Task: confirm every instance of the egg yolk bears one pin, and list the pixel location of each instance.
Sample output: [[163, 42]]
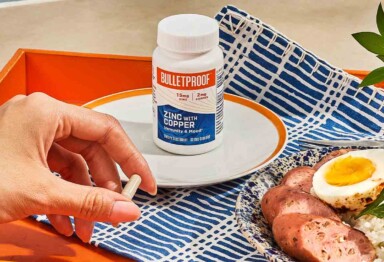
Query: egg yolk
[[349, 170]]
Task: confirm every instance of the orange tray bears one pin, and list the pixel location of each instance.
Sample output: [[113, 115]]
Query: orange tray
[[74, 78]]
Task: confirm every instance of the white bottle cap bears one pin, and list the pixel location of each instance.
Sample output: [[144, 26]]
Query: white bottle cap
[[188, 33]]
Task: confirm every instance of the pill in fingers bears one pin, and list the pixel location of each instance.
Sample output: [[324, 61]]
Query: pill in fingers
[[130, 189]]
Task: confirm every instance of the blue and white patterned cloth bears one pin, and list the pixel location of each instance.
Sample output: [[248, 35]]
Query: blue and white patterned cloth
[[314, 99]]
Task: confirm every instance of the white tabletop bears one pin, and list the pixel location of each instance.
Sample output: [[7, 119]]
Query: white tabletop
[[129, 27]]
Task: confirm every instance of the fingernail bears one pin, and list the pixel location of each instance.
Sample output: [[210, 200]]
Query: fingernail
[[68, 234], [85, 240], [66, 231], [123, 211], [154, 192]]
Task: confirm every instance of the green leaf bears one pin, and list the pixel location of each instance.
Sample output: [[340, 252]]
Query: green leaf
[[381, 57], [380, 19], [375, 208], [371, 41], [374, 77]]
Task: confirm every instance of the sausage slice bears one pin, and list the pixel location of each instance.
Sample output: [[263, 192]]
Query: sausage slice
[[313, 238], [299, 178], [284, 199]]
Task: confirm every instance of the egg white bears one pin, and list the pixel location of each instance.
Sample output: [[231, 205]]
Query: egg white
[[355, 196]]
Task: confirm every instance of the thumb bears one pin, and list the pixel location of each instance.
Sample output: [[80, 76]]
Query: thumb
[[92, 203]]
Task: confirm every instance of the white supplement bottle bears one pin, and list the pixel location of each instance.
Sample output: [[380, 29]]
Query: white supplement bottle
[[187, 75]]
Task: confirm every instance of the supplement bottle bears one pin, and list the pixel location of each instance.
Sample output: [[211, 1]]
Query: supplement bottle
[[187, 75]]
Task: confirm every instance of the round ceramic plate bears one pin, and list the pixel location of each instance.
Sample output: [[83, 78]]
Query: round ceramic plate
[[253, 137], [248, 210]]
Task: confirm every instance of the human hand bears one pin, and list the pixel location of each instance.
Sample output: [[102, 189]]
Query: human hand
[[39, 134]]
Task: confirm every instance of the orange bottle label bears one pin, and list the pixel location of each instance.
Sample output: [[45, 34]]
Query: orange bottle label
[[185, 81]]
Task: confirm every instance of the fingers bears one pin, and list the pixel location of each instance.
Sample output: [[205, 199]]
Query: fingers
[[102, 171], [84, 202], [72, 168], [91, 203], [102, 167], [89, 125], [84, 124], [84, 229], [62, 224]]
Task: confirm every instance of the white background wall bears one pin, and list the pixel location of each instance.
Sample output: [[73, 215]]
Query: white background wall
[[129, 26]]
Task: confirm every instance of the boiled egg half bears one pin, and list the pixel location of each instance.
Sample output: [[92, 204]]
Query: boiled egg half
[[351, 181]]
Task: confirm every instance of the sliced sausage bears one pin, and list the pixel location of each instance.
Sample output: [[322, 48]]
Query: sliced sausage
[[284, 199], [331, 156], [314, 238], [299, 178]]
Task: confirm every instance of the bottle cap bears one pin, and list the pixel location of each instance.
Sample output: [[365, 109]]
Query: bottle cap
[[188, 33]]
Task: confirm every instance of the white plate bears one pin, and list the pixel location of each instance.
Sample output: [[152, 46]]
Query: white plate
[[253, 137]]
